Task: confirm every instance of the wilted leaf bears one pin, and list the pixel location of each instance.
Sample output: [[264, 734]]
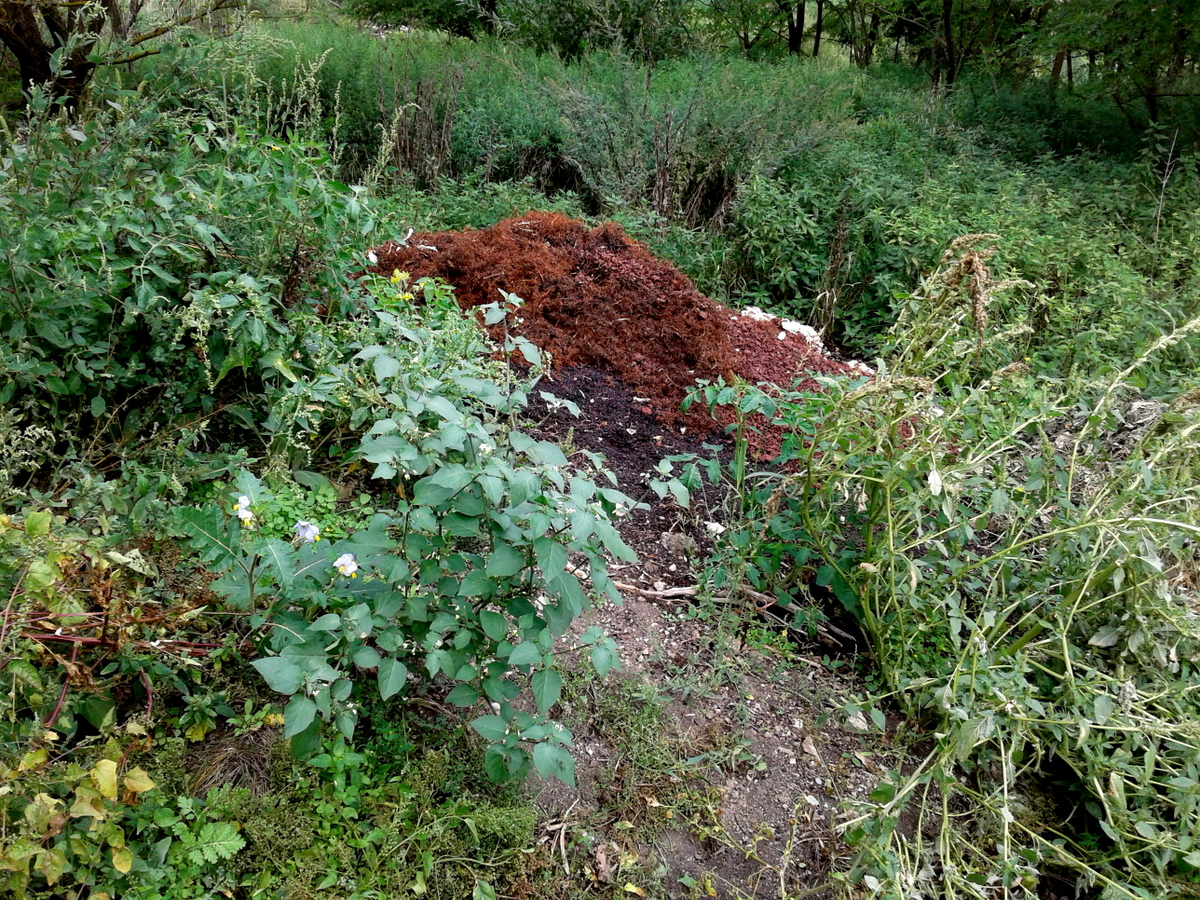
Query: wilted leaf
[[1106, 636], [122, 859], [104, 776]]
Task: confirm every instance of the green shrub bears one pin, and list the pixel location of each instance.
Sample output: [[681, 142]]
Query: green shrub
[[153, 288], [465, 581]]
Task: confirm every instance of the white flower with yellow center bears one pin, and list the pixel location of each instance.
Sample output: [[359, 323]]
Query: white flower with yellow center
[[241, 509], [307, 532]]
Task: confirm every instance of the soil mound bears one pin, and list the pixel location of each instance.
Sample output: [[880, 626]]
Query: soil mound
[[598, 298]]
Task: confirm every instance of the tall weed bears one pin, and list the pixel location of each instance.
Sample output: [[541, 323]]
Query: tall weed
[[1022, 558]]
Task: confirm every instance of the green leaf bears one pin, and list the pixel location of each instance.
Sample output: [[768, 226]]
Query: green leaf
[[298, 715], [367, 658], [884, 793], [551, 556], [547, 688], [525, 654], [275, 360], [327, 622], [303, 744], [386, 366], [463, 695], [392, 676], [1146, 830], [37, 524], [280, 558], [436, 489], [505, 561], [554, 762], [215, 842], [282, 675], [249, 484], [494, 625], [97, 406], [314, 480], [213, 533], [547, 453], [491, 728], [476, 583], [1107, 636], [604, 658]]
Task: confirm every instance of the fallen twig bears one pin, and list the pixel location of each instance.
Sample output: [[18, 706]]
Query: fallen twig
[[680, 593]]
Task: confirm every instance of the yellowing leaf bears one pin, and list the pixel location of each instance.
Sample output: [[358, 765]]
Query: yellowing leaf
[[40, 813], [32, 760], [138, 780], [88, 803], [52, 864], [104, 775], [196, 731], [632, 888], [122, 859]]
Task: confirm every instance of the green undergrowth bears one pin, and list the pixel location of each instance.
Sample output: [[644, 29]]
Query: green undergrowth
[[247, 491], [811, 187]]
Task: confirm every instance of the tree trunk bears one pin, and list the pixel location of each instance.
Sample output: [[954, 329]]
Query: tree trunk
[[1150, 94], [948, 41], [795, 26], [1056, 70], [871, 40], [34, 47], [817, 30]]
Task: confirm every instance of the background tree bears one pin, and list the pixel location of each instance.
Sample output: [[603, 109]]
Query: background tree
[[60, 43], [747, 25], [1137, 48]]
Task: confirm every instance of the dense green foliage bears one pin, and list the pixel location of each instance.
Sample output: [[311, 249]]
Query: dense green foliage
[[193, 386], [189, 311]]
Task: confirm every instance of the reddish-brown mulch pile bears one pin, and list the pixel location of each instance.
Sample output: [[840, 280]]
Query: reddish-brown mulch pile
[[598, 298]]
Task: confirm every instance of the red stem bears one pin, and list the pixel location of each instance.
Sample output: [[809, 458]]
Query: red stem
[[149, 693], [62, 696]]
